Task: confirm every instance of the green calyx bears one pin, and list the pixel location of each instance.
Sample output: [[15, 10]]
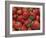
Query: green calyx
[[29, 25], [31, 17]]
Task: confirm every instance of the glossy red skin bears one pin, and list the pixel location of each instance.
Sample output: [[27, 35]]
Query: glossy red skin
[[35, 25], [18, 25], [37, 18], [36, 11], [19, 12], [24, 28], [20, 18], [25, 15]]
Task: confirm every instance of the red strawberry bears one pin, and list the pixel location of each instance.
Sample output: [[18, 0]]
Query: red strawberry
[[37, 18], [18, 25], [24, 28], [19, 11], [25, 15], [36, 11], [35, 25], [20, 18], [14, 10]]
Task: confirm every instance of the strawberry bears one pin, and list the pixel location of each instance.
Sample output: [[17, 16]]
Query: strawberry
[[35, 25], [37, 18], [14, 10], [18, 25], [19, 11], [24, 28], [20, 18], [25, 15], [36, 11]]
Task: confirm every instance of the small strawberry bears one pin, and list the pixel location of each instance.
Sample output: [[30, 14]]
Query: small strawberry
[[14, 10], [20, 18], [25, 15], [18, 25], [19, 12], [37, 18], [24, 28], [35, 25]]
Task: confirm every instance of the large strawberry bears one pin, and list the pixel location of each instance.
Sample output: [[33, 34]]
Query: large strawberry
[[35, 25]]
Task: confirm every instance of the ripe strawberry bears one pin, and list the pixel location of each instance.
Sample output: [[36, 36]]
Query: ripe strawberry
[[20, 18], [35, 25], [19, 12], [14, 10], [36, 11], [18, 25], [24, 28], [25, 15], [37, 18]]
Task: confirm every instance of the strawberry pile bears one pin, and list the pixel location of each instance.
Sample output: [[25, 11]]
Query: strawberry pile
[[25, 18]]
